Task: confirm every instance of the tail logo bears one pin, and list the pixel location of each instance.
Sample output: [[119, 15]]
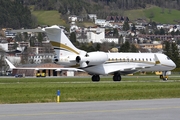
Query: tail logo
[[57, 45]]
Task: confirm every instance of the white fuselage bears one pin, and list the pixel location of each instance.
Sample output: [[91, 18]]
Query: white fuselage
[[125, 62]]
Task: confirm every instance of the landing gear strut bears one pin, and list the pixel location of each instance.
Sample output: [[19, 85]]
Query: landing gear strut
[[164, 77], [117, 76], [95, 78]]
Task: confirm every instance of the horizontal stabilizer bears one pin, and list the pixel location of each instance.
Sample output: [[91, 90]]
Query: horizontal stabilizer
[[69, 69], [10, 64], [27, 30]]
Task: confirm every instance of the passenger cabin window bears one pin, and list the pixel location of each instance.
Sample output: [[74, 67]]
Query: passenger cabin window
[[168, 58]]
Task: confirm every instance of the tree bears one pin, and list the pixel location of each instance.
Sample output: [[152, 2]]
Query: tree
[[167, 48], [125, 47], [98, 47], [25, 55], [40, 37], [14, 14], [3, 66], [175, 54], [151, 15], [162, 31], [133, 48], [126, 26], [73, 37], [171, 50], [120, 40], [115, 32], [133, 28]]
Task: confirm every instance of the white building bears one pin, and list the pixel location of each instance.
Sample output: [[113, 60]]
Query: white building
[[72, 18], [100, 22], [103, 23], [139, 27], [40, 58], [115, 40], [92, 16], [4, 46], [15, 60], [96, 35]]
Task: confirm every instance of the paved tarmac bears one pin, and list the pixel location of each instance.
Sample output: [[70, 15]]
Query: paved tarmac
[[158, 109]]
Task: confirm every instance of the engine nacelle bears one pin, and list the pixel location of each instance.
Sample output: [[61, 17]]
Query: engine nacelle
[[55, 59], [92, 58]]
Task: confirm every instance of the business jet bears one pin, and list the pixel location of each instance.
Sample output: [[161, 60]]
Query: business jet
[[103, 63]]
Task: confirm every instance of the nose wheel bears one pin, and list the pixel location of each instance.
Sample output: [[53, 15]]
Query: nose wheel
[[164, 77]]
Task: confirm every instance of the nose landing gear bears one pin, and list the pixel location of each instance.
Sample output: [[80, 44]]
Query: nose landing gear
[[164, 77]]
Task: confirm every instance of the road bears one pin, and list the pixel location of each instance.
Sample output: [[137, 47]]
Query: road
[[157, 109]]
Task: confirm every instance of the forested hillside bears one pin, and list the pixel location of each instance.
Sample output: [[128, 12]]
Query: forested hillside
[[14, 15], [100, 7]]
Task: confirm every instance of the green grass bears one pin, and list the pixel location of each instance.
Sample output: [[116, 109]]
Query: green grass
[[135, 14], [31, 90], [158, 15], [48, 17], [53, 17]]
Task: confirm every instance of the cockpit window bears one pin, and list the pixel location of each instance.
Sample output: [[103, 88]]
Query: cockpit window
[[168, 58]]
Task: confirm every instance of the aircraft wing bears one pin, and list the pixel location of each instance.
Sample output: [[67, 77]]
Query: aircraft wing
[[69, 69], [35, 68], [127, 69], [27, 30], [56, 69]]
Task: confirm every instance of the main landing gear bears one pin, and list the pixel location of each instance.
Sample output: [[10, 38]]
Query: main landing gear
[[164, 77], [116, 77], [95, 78]]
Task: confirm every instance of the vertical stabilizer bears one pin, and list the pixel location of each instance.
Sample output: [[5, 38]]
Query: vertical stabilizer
[[62, 45], [10, 64]]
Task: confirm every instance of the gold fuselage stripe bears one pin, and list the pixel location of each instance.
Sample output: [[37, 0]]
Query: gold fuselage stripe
[[60, 45]]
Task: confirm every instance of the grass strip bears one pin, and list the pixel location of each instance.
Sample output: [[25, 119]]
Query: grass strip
[[37, 90]]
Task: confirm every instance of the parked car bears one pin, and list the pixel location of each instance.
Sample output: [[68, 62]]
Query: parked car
[[40, 74], [18, 75]]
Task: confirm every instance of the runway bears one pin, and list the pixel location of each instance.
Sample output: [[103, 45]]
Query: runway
[[158, 109]]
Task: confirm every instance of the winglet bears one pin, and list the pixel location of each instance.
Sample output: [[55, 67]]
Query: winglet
[[156, 60], [10, 64]]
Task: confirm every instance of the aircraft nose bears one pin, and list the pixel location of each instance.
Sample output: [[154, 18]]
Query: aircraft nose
[[173, 65]]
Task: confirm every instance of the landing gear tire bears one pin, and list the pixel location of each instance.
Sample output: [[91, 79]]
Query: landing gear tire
[[117, 77], [163, 76], [95, 78]]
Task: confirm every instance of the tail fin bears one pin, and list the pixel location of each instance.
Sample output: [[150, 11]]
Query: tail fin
[[62, 45], [10, 64]]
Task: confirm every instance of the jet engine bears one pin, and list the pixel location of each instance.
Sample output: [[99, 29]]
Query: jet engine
[[55, 59], [92, 58]]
